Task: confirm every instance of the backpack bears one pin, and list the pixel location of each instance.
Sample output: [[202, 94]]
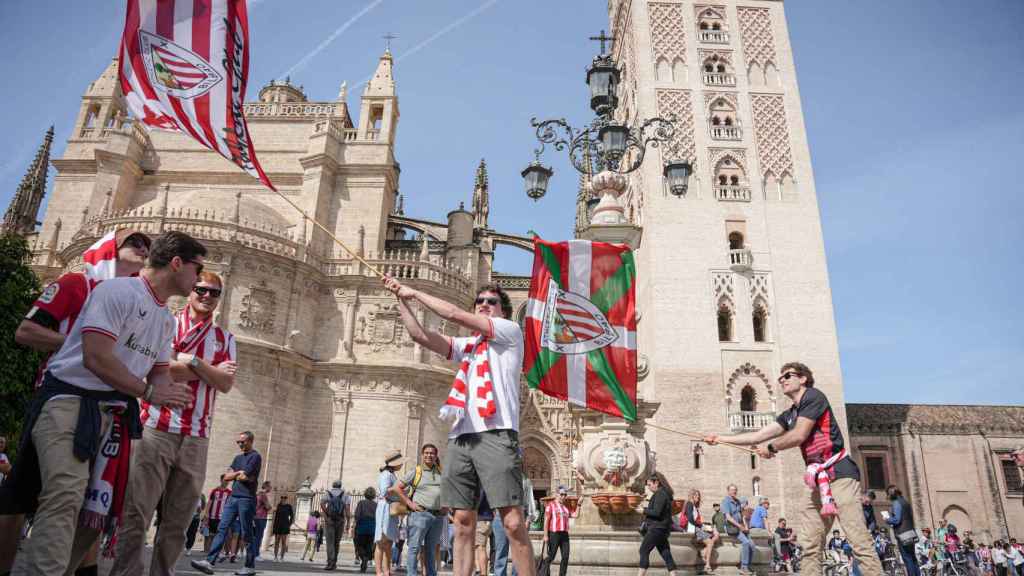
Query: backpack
[[336, 506]]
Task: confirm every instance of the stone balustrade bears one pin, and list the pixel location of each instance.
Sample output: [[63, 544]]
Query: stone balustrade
[[713, 36], [342, 134], [130, 128], [403, 264], [726, 132], [743, 421], [741, 260], [732, 193], [719, 79], [289, 109]]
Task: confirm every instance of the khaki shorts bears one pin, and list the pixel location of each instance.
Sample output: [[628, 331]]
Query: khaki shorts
[[483, 533], [487, 461]]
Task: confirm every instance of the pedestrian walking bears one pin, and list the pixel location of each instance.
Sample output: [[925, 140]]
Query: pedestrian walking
[[657, 524], [704, 534], [85, 415], [420, 491], [284, 516], [363, 527], [334, 508], [556, 533], [262, 512], [312, 528], [832, 477], [170, 458], [214, 511], [386, 525], [483, 404], [901, 518], [241, 504]]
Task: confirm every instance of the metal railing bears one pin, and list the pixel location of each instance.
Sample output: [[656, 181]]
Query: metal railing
[[732, 193]]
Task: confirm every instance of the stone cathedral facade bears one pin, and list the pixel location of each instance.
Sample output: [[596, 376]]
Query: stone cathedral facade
[[732, 278]]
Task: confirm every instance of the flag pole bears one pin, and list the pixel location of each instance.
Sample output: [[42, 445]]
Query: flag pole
[[329, 233], [700, 437]]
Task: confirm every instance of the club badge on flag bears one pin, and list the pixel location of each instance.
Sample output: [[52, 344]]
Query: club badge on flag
[[581, 325], [184, 66]]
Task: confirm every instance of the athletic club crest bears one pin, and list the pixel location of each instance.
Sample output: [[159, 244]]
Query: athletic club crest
[[572, 324], [174, 69]]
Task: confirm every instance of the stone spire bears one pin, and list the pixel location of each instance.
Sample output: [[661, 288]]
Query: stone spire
[[20, 217], [382, 83], [481, 197], [341, 107]]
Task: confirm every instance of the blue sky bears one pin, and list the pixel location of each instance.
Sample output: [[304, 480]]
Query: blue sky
[[913, 111]]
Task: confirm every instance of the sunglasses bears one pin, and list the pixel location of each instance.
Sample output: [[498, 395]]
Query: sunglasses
[[491, 301], [240, 443], [787, 376], [199, 266], [203, 291]]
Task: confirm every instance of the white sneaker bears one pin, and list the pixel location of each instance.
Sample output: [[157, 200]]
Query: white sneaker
[[203, 566], [245, 572]]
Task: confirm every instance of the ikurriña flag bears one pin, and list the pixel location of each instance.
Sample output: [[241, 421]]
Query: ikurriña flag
[[184, 66], [581, 325]]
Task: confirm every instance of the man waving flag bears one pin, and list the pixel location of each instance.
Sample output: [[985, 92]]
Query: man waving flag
[[184, 65], [581, 325]]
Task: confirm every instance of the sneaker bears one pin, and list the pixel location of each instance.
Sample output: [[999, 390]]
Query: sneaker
[[245, 572], [203, 566]]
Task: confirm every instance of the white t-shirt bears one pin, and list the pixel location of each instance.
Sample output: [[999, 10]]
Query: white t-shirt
[[127, 311], [505, 355]]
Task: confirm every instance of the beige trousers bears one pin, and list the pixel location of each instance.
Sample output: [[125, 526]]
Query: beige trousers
[[57, 542], [168, 465], [813, 528]]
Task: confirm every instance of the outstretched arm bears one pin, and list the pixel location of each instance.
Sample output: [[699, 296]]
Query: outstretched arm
[[428, 338], [756, 437]]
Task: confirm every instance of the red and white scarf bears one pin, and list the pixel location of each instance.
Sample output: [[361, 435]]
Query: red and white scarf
[[817, 475], [191, 331], [108, 479], [455, 405]]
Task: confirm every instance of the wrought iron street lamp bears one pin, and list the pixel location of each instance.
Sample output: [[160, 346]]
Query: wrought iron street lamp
[[605, 147]]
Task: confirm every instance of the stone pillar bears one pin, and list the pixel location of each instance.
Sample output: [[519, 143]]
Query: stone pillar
[[303, 503]]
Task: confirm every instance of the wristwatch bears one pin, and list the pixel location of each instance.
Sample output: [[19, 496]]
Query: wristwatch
[[193, 363], [147, 394], [771, 448]]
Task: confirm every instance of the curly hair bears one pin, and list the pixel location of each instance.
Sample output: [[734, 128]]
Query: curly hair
[[506, 302], [802, 370]]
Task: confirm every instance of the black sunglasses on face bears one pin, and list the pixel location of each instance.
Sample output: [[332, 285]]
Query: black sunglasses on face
[[203, 291], [240, 443], [491, 301], [136, 241], [788, 375]]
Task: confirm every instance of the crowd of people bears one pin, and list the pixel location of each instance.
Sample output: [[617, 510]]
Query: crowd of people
[[118, 432]]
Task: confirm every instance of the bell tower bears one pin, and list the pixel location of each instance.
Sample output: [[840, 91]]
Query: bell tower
[[378, 112], [732, 281]]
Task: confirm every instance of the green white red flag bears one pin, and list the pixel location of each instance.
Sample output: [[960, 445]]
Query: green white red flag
[[581, 325]]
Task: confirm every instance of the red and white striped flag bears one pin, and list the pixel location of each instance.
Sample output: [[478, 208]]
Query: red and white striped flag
[[184, 66], [100, 259]]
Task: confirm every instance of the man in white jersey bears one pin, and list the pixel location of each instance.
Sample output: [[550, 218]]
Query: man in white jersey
[[119, 350], [170, 459], [483, 445]]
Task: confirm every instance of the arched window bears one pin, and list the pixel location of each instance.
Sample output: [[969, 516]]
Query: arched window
[[716, 26], [735, 241], [748, 399], [709, 67], [698, 454], [724, 323], [734, 180], [760, 323], [703, 25], [720, 68], [728, 121], [723, 179], [755, 487], [715, 121]]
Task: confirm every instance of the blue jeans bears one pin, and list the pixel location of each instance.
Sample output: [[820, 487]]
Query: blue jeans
[[909, 559], [424, 531], [501, 549], [747, 550], [244, 509]]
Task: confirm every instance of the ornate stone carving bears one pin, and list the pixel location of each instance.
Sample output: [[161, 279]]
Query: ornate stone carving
[[667, 36], [738, 155], [259, 308], [760, 288], [613, 460], [772, 135], [756, 35], [643, 367], [677, 103], [721, 287], [745, 373], [381, 327]]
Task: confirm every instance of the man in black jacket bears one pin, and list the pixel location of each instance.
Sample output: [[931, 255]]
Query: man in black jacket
[[902, 521]]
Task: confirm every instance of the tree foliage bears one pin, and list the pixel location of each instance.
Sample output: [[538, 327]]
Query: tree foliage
[[19, 288]]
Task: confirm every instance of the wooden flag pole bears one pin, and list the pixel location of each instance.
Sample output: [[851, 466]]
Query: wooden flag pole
[[700, 437], [329, 233]]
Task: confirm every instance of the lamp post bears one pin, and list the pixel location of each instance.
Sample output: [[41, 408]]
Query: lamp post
[[606, 147]]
